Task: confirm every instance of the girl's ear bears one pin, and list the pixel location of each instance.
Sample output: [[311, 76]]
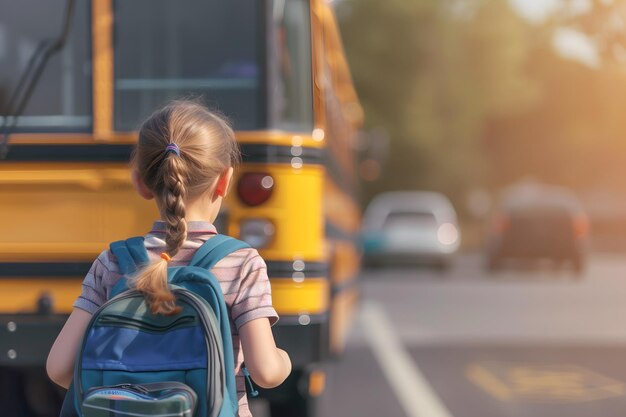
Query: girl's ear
[[140, 187], [223, 182]]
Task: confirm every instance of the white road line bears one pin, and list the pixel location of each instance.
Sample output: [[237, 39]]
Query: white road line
[[415, 394]]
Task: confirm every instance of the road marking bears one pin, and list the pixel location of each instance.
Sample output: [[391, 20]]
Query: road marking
[[556, 383], [488, 382], [415, 394]]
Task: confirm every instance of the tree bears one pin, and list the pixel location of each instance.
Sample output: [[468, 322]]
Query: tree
[[604, 21], [431, 74]]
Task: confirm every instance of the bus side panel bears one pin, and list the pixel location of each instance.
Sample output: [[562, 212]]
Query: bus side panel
[[57, 218], [296, 256], [67, 212]]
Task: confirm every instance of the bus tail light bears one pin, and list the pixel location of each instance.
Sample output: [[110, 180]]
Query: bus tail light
[[255, 188]]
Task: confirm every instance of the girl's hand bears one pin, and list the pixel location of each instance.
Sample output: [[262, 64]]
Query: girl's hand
[[268, 365]]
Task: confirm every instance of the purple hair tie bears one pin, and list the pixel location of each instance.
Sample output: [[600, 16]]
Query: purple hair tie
[[172, 147]]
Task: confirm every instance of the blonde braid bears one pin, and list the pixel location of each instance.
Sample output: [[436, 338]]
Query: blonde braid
[[153, 281], [175, 192]]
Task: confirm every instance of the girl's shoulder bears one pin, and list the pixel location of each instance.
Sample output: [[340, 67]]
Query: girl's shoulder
[[106, 262], [105, 271]]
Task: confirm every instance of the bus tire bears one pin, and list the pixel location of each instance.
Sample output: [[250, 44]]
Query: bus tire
[[296, 407], [292, 398]]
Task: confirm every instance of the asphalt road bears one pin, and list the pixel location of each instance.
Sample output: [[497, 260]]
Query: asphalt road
[[525, 342]]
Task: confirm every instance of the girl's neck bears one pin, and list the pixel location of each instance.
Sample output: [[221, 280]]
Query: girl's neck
[[201, 209]]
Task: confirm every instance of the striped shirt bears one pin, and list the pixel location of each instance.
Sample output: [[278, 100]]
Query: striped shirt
[[242, 276]]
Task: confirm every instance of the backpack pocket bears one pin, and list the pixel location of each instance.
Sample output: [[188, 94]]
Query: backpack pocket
[[157, 399]]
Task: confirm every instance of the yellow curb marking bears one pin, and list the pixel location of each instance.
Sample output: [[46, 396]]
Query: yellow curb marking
[[542, 383]]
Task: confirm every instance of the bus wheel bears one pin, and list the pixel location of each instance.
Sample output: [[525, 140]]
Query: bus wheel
[[300, 407], [12, 393], [299, 395], [43, 397], [26, 392]]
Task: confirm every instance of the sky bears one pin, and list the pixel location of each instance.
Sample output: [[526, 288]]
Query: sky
[[535, 10], [568, 42]]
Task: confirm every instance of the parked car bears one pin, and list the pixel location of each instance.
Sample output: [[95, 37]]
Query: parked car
[[416, 227], [538, 222]]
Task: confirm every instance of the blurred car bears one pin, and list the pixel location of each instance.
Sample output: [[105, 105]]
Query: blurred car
[[416, 227], [538, 222]]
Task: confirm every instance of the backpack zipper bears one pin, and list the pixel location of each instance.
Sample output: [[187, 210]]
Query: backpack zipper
[[246, 375], [114, 320], [148, 387], [144, 392]]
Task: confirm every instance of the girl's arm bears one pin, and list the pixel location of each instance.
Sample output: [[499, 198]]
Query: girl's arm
[[268, 365], [60, 364]]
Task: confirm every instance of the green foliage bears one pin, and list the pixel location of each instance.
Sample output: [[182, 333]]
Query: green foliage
[[431, 73], [473, 96], [604, 21], [573, 136]]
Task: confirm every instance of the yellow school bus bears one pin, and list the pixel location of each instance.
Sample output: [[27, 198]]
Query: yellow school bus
[[71, 102]]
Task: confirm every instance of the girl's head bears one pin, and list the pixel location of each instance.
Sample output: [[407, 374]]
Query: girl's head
[[185, 154]]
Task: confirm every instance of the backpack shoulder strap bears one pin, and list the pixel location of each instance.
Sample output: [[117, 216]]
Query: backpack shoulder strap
[[138, 250], [215, 249], [209, 254], [131, 255]]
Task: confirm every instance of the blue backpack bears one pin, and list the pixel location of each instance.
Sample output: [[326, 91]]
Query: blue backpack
[[135, 363]]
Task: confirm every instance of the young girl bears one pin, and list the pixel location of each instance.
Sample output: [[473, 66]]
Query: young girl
[[184, 161]]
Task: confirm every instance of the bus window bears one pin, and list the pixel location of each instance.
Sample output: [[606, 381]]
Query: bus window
[[168, 49], [291, 88], [62, 99]]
